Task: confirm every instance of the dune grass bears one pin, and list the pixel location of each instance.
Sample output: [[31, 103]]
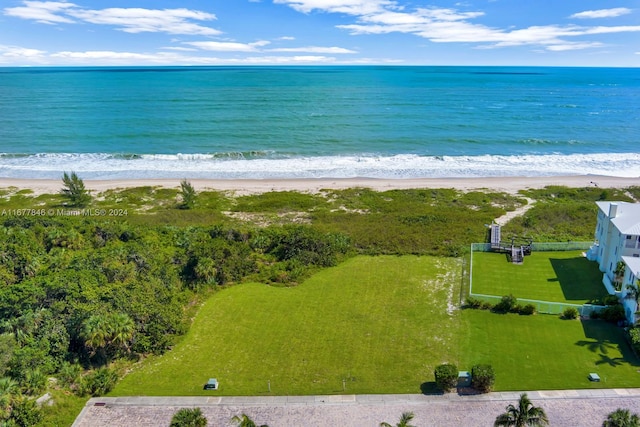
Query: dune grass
[[548, 276], [382, 324]]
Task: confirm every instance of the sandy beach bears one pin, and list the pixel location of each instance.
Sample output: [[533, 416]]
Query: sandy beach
[[252, 186]]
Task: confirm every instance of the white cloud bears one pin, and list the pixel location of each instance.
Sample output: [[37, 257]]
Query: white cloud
[[103, 54], [45, 12], [350, 7], [448, 25], [20, 52], [301, 59], [228, 46], [22, 55], [314, 49], [130, 20], [286, 38], [602, 13], [137, 20], [179, 48], [573, 46]]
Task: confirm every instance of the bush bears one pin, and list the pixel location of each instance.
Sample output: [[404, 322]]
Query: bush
[[610, 300], [613, 313], [482, 377], [446, 377], [25, 413], [99, 382], [486, 306], [527, 310], [69, 373], [506, 304], [473, 303], [634, 337], [186, 417], [570, 313]]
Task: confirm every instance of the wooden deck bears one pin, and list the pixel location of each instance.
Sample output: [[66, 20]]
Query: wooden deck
[[517, 252]]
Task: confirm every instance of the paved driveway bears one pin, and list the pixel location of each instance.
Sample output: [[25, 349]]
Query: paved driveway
[[575, 408]]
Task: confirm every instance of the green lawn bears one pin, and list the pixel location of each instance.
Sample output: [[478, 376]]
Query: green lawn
[[547, 276], [382, 324], [545, 352]]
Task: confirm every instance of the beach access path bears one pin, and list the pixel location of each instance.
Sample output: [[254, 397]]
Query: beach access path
[[585, 408]]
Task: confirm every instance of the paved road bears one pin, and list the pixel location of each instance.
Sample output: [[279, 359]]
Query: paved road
[[575, 408]]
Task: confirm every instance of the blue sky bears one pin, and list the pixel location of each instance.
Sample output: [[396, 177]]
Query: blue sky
[[301, 32]]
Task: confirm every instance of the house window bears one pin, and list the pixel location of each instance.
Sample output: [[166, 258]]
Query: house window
[[630, 242]]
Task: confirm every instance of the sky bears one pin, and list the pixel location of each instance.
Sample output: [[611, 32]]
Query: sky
[[320, 32]]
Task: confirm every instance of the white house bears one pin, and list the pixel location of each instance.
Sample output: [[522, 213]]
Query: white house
[[617, 239]]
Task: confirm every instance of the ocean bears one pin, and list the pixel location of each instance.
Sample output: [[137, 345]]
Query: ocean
[[318, 122]]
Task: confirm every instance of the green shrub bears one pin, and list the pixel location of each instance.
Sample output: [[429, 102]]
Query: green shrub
[[473, 303], [482, 377], [610, 300], [99, 382], [506, 304], [527, 310], [486, 306], [69, 373], [446, 377], [634, 337], [613, 313], [570, 313], [25, 413]]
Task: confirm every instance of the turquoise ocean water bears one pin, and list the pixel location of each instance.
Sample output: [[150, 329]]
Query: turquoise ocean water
[[310, 122]]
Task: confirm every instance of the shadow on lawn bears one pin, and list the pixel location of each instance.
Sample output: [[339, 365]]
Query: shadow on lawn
[[579, 278], [602, 337], [430, 387]]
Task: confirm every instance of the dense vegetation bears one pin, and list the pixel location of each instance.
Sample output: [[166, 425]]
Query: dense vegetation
[[82, 290], [565, 214]]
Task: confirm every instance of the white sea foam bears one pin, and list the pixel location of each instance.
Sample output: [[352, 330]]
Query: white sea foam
[[265, 166]]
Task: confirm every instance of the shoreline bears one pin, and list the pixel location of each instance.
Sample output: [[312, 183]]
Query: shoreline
[[508, 184]]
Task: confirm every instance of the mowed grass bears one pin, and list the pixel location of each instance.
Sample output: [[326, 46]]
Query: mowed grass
[[547, 276], [544, 352], [382, 324]]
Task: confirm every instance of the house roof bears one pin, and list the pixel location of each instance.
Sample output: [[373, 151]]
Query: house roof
[[633, 263], [627, 219]]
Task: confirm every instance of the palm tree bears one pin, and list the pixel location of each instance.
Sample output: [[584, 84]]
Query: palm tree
[[404, 420], [74, 191], [525, 414], [94, 332], [245, 421], [8, 390], [112, 331], [621, 418], [186, 417], [121, 329]]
